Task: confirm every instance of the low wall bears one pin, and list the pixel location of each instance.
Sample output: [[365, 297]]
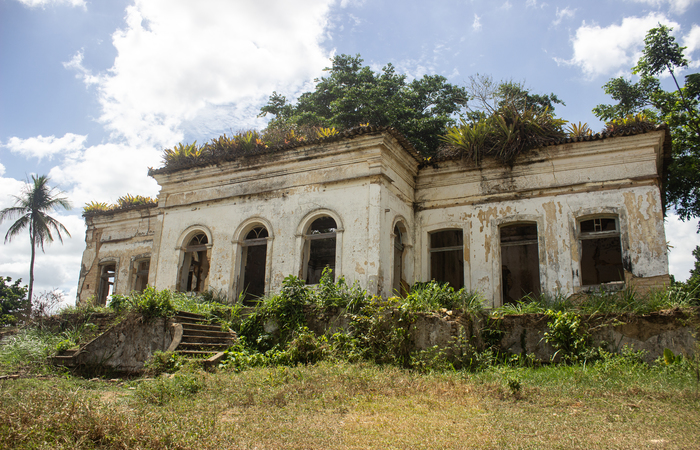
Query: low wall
[[675, 329], [127, 345]]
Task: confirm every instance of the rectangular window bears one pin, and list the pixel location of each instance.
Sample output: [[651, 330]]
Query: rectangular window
[[447, 257], [520, 262], [108, 273], [601, 251], [141, 268]]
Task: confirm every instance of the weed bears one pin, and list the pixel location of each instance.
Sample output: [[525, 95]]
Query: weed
[[567, 334]]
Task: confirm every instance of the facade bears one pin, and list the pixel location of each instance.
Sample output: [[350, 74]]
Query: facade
[[581, 214]]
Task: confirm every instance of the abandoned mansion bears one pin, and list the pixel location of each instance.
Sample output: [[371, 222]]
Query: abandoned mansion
[[580, 214]]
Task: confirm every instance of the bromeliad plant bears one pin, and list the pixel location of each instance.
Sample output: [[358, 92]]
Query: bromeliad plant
[[505, 134], [630, 124], [124, 202]]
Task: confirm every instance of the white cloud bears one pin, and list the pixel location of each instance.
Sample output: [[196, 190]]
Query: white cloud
[[683, 238], [676, 6], [535, 4], [178, 58], [692, 43], [613, 49], [107, 171], [44, 3], [476, 25], [562, 13], [8, 188], [354, 3], [41, 147], [506, 6]]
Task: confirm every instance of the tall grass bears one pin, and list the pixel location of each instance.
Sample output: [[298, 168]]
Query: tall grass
[[27, 349]]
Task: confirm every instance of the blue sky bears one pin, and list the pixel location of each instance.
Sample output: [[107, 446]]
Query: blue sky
[[91, 92]]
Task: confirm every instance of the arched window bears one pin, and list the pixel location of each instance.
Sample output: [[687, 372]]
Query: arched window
[[195, 265], [520, 261], [447, 257], [319, 248], [254, 257], [400, 286]]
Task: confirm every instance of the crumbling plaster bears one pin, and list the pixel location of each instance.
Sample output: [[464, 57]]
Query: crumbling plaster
[[121, 238]]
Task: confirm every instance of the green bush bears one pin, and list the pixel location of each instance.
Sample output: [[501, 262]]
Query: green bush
[[329, 294], [567, 334], [151, 303]]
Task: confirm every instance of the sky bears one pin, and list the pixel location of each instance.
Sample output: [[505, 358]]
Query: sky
[[91, 92]]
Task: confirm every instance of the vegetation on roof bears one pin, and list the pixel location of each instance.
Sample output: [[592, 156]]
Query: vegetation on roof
[[124, 203], [243, 143]]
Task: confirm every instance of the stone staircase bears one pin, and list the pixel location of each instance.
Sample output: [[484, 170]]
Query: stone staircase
[[200, 337]]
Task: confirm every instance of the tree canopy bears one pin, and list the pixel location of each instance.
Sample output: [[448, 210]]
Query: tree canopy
[[679, 109], [13, 300], [353, 94]]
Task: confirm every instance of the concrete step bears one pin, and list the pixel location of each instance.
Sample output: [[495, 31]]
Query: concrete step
[[199, 327], [228, 338], [189, 315], [202, 346], [208, 333], [196, 353]]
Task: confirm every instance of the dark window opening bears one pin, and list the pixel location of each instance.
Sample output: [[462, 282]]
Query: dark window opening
[[520, 262], [106, 287], [141, 268], [255, 257], [320, 248], [601, 252], [447, 257], [195, 265], [400, 286]]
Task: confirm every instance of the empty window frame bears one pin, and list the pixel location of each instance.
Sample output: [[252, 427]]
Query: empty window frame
[[520, 261], [447, 257], [254, 257], [141, 268], [319, 248], [601, 251], [108, 274], [195, 265], [400, 286]]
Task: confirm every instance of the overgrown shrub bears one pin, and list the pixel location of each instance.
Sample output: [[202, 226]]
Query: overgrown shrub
[[283, 312], [432, 296], [567, 334], [330, 294], [152, 303]]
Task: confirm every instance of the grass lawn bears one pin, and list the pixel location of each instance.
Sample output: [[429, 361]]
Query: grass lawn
[[613, 404]]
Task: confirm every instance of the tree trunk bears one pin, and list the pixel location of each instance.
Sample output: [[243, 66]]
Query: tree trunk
[[31, 268]]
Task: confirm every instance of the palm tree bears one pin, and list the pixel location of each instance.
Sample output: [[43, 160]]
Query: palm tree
[[32, 208]]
